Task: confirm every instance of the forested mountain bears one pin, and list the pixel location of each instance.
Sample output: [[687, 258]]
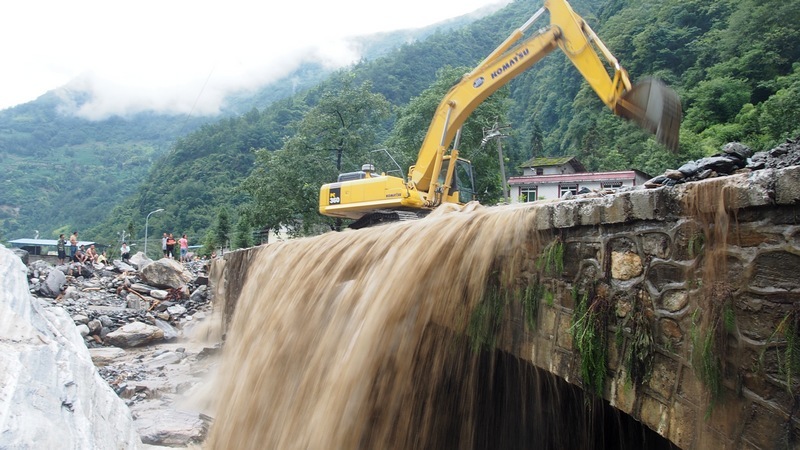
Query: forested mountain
[[734, 63], [62, 172]]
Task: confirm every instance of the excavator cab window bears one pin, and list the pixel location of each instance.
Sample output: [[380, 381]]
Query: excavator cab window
[[464, 181]]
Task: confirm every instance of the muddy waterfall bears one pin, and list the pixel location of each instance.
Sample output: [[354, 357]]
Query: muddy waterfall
[[377, 338]]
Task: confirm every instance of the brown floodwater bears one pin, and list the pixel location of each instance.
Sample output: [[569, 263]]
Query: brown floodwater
[[358, 340]]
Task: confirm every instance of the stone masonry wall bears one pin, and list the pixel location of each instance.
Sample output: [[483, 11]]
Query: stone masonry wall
[[672, 266], [673, 261]]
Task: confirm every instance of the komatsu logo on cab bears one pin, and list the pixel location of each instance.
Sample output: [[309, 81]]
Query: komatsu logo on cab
[[510, 63]]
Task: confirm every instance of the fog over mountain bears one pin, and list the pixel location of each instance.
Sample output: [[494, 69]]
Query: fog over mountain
[[121, 58]]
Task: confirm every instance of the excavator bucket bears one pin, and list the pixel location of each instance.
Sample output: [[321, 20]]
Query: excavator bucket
[[656, 108]]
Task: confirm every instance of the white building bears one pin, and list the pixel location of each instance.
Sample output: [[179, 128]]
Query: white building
[[551, 178]]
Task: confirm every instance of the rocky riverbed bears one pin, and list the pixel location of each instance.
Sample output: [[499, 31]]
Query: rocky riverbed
[[149, 329]]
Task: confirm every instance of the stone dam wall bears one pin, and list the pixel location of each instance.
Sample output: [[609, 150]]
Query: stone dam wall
[[694, 290]]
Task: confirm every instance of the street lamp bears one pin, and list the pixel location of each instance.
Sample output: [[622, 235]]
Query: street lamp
[[145, 229]]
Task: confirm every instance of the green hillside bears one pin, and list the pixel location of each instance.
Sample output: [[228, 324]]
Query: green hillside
[[734, 63], [63, 173]]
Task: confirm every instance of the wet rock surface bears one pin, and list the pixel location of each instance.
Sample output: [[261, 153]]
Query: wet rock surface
[[733, 158], [150, 337]]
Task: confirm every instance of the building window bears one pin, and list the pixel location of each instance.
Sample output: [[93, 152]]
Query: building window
[[539, 171], [529, 194], [611, 184], [567, 187]]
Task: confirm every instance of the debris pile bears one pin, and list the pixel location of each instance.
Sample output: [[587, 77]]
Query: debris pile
[[734, 158], [141, 323]]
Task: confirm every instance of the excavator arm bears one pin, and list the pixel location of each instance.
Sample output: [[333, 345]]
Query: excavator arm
[[433, 180], [651, 104]]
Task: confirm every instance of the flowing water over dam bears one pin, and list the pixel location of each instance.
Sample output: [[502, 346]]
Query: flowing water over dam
[[366, 339]]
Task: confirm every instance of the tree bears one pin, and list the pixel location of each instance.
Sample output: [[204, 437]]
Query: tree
[[335, 135], [209, 242], [413, 120], [780, 116], [243, 237], [222, 229], [131, 229]]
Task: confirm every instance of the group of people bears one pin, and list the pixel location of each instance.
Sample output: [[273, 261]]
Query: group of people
[[71, 251], [78, 254], [168, 247]]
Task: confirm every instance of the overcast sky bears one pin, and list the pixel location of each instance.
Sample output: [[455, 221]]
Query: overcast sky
[[183, 56]]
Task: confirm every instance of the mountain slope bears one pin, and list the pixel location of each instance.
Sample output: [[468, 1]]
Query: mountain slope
[[62, 172]]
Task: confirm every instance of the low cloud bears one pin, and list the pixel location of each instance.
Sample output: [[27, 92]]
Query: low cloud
[[184, 57], [195, 91]]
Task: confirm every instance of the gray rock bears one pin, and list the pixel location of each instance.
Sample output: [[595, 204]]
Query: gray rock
[[176, 310], [133, 301], [738, 149], [52, 394], [135, 334], [159, 294], [53, 284], [80, 319], [166, 273], [94, 326], [23, 255], [688, 169], [169, 428], [140, 261], [170, 332], [104, 356], [199, 294], [142, 288], [105, 321], [123, 267]]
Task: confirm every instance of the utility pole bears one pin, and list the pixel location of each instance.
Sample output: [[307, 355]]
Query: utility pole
[[495, 133]]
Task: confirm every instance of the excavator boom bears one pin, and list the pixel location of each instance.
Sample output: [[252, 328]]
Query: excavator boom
[[434, 179]]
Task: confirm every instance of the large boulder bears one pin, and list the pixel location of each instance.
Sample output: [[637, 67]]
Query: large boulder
[[134, 335], [52, 395], [23, 255], [53, 285], [140, 261], [123, 267], [166, 273]]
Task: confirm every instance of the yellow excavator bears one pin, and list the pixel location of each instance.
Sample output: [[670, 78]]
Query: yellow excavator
[[440, 176]]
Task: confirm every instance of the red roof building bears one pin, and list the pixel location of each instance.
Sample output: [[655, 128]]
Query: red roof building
[[552, 178]]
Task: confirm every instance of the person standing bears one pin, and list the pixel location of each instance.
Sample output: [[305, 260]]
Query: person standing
[[171, 246], [164, 245], [73, 245], [184, 248], [62, 248], [125, 252]]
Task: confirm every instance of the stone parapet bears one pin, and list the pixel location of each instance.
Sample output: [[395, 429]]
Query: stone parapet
[[715, 258]]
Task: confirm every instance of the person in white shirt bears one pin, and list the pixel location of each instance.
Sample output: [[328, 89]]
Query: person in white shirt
[[125, 251]]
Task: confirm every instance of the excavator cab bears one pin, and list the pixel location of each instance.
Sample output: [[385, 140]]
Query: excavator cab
[[463, 182]]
